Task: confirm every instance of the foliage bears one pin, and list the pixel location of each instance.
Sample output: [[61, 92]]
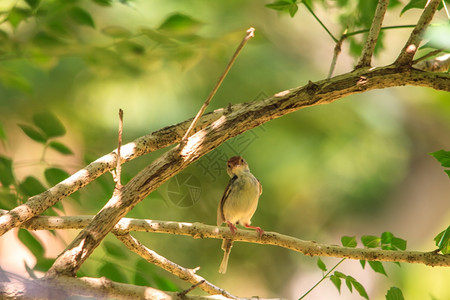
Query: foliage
[[57, 57]]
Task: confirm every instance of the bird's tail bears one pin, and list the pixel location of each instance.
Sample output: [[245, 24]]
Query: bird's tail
[[226, 247]]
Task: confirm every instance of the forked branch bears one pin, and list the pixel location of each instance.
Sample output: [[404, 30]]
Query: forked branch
[[405, 59]]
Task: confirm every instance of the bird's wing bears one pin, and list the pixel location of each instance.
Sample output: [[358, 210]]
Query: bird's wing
[[260, 186], [220, 215]]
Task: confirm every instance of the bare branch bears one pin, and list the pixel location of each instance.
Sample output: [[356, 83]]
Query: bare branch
[[99, 288], [162, 138], [409, 50], [118, 173], [437, 64], [249, 34], [372, 37], [336, 52], [300, 97], [162, 262], [198, 230], [233, 123]]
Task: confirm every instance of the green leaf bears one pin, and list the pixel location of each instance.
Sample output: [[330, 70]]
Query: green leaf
[[112, 272], [413, 4], [103, 2], [159, 38], [115, 250], [340, 274], [394, 293], [180, 24], [321, 265], [43, 264], [81, 16], [6, 171], [370, 241], [33, 133], [7, 200], [46, 40], [33, 3], [2, 133], [349, 241], [143, 273], [289, 6], [164, 284], [443, 241], [60, 147], [336, 281], [49, 124], [348, 282], [398, 243], [363, 263], [55, 175], [443, 157], [31, 186], [17, 15], [124, 47], [29, 271], [116, 32], [377, 267], [386, 238], [31, 243], [361, 290]]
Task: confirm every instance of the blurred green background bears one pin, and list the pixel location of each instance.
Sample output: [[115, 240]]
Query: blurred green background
[[359, 166]]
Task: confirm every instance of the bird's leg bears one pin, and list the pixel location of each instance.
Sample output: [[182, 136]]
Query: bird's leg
[[232, 227], [260, 231]]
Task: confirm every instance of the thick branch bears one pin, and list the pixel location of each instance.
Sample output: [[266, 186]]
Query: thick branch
[[162, 138], [167, 136], [231, 124], [372, 37], [409, 50], [198, 230], [162, 262], [99, 288]]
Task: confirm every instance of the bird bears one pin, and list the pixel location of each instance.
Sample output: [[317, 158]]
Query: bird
[[238, 203]]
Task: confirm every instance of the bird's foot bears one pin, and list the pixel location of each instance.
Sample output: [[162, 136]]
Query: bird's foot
[[260, 231]]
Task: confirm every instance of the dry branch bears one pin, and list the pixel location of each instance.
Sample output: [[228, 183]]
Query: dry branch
[[162, 262], [198, 230], [231, 124], [372, 37], [298, 97], [406, 56], [99, 288]]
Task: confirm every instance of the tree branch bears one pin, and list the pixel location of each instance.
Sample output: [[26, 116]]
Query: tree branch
[[99, 288], [372, 37], [199, 230], [162, 262], [167, 136], [249, 34], [231, 124], [409, 50]]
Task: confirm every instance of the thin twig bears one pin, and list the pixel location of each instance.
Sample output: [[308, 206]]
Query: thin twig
[[406, 56], [372, 37], [336, 52], [429, 54], [248, 35], [320, 22], [186, 274], [118, 173], [193, 287], [322, 279]]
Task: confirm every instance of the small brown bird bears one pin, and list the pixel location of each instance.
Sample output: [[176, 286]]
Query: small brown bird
[[238, 203]]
